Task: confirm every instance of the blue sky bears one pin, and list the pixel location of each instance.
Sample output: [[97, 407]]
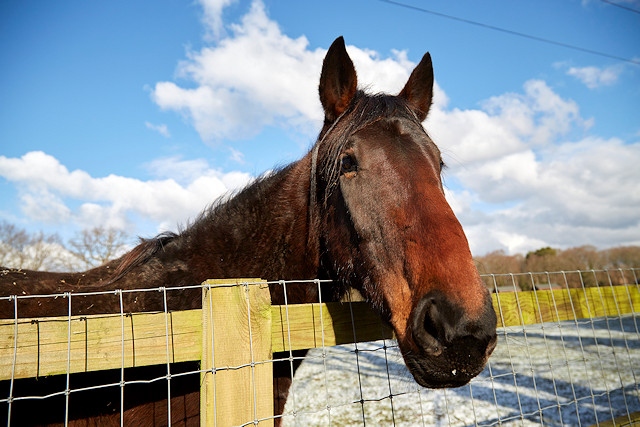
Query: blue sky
[[137, 115]]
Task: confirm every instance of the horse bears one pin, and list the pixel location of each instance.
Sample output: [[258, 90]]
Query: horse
[[365, 207]]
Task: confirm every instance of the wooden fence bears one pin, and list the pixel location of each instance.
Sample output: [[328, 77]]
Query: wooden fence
[[237, 331]]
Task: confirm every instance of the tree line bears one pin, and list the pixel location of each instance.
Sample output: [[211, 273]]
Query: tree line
[[577, 267]]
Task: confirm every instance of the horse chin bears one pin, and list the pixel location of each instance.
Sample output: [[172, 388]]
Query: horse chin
[[451, 368], [427, 376]]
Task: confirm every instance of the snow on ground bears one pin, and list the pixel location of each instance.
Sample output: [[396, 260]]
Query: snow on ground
[[553, 374]]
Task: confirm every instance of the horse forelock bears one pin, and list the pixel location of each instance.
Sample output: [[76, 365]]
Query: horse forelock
[[364, 110]]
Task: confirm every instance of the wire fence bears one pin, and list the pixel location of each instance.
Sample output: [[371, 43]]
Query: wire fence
[[579, 372], [571, 360]]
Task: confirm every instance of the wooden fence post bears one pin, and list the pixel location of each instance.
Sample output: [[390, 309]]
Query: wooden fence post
[[237, 387]]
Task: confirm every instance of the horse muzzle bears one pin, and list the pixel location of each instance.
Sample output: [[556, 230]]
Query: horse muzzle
[[447, 348]]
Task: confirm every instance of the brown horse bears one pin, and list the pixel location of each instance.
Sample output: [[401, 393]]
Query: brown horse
[[365, 207]]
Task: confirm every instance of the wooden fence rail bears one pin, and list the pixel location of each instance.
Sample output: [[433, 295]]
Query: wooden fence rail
[[237, 331]]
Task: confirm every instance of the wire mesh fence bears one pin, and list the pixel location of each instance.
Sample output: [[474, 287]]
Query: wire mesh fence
[[570, 374], [572, 360], [579, 372]]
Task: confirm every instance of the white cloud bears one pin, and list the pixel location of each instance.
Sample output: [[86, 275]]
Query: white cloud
[[565, 195], [246, 81], [524, 172], [506, 124], [521, 183], [51, 193], [236, 155], [42, 205], [259, 76], [162, 129], [594, 77], [212, 17], [183, 171], [539, 115]]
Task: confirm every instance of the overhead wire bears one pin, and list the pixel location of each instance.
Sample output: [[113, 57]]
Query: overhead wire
[[511, 32], [630, 9]]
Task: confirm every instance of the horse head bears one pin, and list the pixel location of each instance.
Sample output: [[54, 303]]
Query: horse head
[[390, 233]]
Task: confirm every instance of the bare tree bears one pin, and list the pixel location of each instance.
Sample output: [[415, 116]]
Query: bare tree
[[95, 246], [580, 258], [621, 257], [19, 249], [499, 263]]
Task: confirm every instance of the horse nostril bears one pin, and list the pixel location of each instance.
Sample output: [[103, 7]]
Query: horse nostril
[[430, 318], [430, 330], [438, 324]]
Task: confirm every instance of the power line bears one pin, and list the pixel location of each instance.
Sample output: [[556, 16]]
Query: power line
[[511, 32], [630, 9]]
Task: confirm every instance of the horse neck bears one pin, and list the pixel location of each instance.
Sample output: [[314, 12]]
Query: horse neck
[[25, 283], [261, 232]]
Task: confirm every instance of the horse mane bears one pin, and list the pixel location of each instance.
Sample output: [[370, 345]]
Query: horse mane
[[141, 254], [226, 209]]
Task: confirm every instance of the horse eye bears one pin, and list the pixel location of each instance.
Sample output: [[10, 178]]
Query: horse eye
[[348, 166], [443, 165]]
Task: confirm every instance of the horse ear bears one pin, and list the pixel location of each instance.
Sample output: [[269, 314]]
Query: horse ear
[[338, 81], [419, 88]]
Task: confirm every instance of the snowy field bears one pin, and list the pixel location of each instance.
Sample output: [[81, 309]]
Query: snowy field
[[555, 374]]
